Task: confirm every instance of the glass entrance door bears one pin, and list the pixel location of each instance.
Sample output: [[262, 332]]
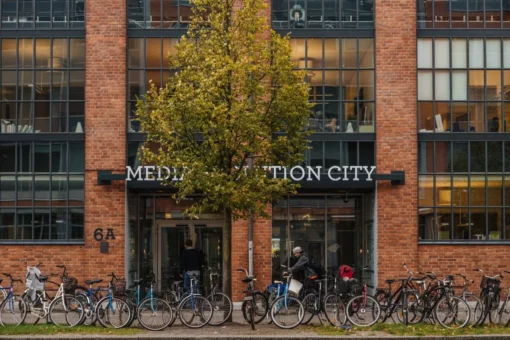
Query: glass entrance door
[[170, 246]]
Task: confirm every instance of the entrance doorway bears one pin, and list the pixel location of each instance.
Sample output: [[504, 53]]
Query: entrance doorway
[[157, 231], [206, 236]]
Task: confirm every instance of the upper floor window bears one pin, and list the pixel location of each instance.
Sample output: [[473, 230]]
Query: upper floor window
[[159, 13], [464, 85], [42, 14], [147, 64], [341, 76], [463, 14], [42, 83], [324, 14]]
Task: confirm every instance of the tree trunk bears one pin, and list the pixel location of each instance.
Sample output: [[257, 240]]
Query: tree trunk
[[227, 250]]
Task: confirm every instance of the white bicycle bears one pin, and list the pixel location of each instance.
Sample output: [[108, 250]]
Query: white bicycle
[[63, 310]]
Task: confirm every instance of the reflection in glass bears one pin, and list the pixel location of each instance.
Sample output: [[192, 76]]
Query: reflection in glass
[[444, 223], [443, 157], [477, 189], [426, 190]]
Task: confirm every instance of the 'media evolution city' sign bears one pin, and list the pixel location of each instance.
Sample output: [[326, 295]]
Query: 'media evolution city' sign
[[296, 173]]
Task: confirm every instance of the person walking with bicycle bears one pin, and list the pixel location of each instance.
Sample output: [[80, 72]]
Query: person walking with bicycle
[[191, 263]]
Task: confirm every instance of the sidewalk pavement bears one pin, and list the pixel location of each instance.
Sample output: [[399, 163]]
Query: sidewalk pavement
[[239, 329]]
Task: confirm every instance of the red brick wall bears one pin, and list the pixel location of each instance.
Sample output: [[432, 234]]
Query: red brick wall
[[105, 122], [453, 259], [396, 131], [261, 254]]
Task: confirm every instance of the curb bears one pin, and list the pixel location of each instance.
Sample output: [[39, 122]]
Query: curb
[[245, 337]]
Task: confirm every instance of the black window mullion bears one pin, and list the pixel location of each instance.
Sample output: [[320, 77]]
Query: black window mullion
[[161, 14], [450, 24], [468, 87], [434, 203], [434, 128], [68, 163], [16, 95], [51, 188], [34, 18], [433, 17], [483, 13], [51, 17], [32, 104], [452, 198]]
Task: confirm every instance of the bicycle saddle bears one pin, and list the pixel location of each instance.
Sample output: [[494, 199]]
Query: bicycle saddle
[[91, 282], [178, 282], [247, 279], [42, 278], [390, 281], [137, 281], [275, 282]]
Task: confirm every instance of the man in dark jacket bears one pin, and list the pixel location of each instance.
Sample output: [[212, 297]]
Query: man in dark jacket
[[302, 265], [191, 263]]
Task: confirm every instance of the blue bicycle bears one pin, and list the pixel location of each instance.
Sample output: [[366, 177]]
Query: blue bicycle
[[13, 309], [152, 313], [287, 311], [110, 311]]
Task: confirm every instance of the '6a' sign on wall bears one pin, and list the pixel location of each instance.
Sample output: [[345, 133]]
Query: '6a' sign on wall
[[99, 234]]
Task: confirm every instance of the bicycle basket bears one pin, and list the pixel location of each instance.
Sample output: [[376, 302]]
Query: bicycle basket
[[355, 287], [295, 287], [483, 284], [70, 285], [119, 287]]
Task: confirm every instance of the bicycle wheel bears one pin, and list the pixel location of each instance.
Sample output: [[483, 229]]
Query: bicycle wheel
[[113, 312], [154, 314], [250, 312], [260, 307], [13, 311], [452, 312], [66, 310], [363, 311], [504, 314], [311, 305], [172, 299], [334, 309], [35, 309], [89, 317], [287, 312], [222, 307], [384, 301], [129, 300], [415, 309], [195, 311], [494, 310], [475, 314]]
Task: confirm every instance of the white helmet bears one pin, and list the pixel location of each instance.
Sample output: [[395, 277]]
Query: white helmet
[[297, 250]]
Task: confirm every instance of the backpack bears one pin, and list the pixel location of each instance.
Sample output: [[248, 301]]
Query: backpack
[[316, 267]]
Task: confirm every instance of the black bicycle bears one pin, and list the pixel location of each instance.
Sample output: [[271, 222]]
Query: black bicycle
[[254, 305], [489, 297]]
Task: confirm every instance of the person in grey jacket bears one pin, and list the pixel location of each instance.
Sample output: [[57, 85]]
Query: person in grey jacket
[[302, 264]]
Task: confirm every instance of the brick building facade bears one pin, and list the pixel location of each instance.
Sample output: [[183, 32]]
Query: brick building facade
[[415, 89]]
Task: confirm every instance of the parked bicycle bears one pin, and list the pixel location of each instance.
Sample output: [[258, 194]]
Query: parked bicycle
[[363, 310], [287, 311], [504, 312], [13, 309], [194, 310], [471, 299], [489, 297], [110, 311], [152, 313], [63, 310], [221, 303], [254, 306]]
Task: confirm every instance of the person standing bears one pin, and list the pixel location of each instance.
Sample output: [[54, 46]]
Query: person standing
[[191, 263]]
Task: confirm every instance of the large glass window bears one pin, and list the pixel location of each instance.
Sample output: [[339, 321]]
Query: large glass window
[[42, 192], [43, 85], [323, 14], [463, 14], [464, 191], [342, 80], [464, 85], [158, 14], [42, 14], [147, 64]]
